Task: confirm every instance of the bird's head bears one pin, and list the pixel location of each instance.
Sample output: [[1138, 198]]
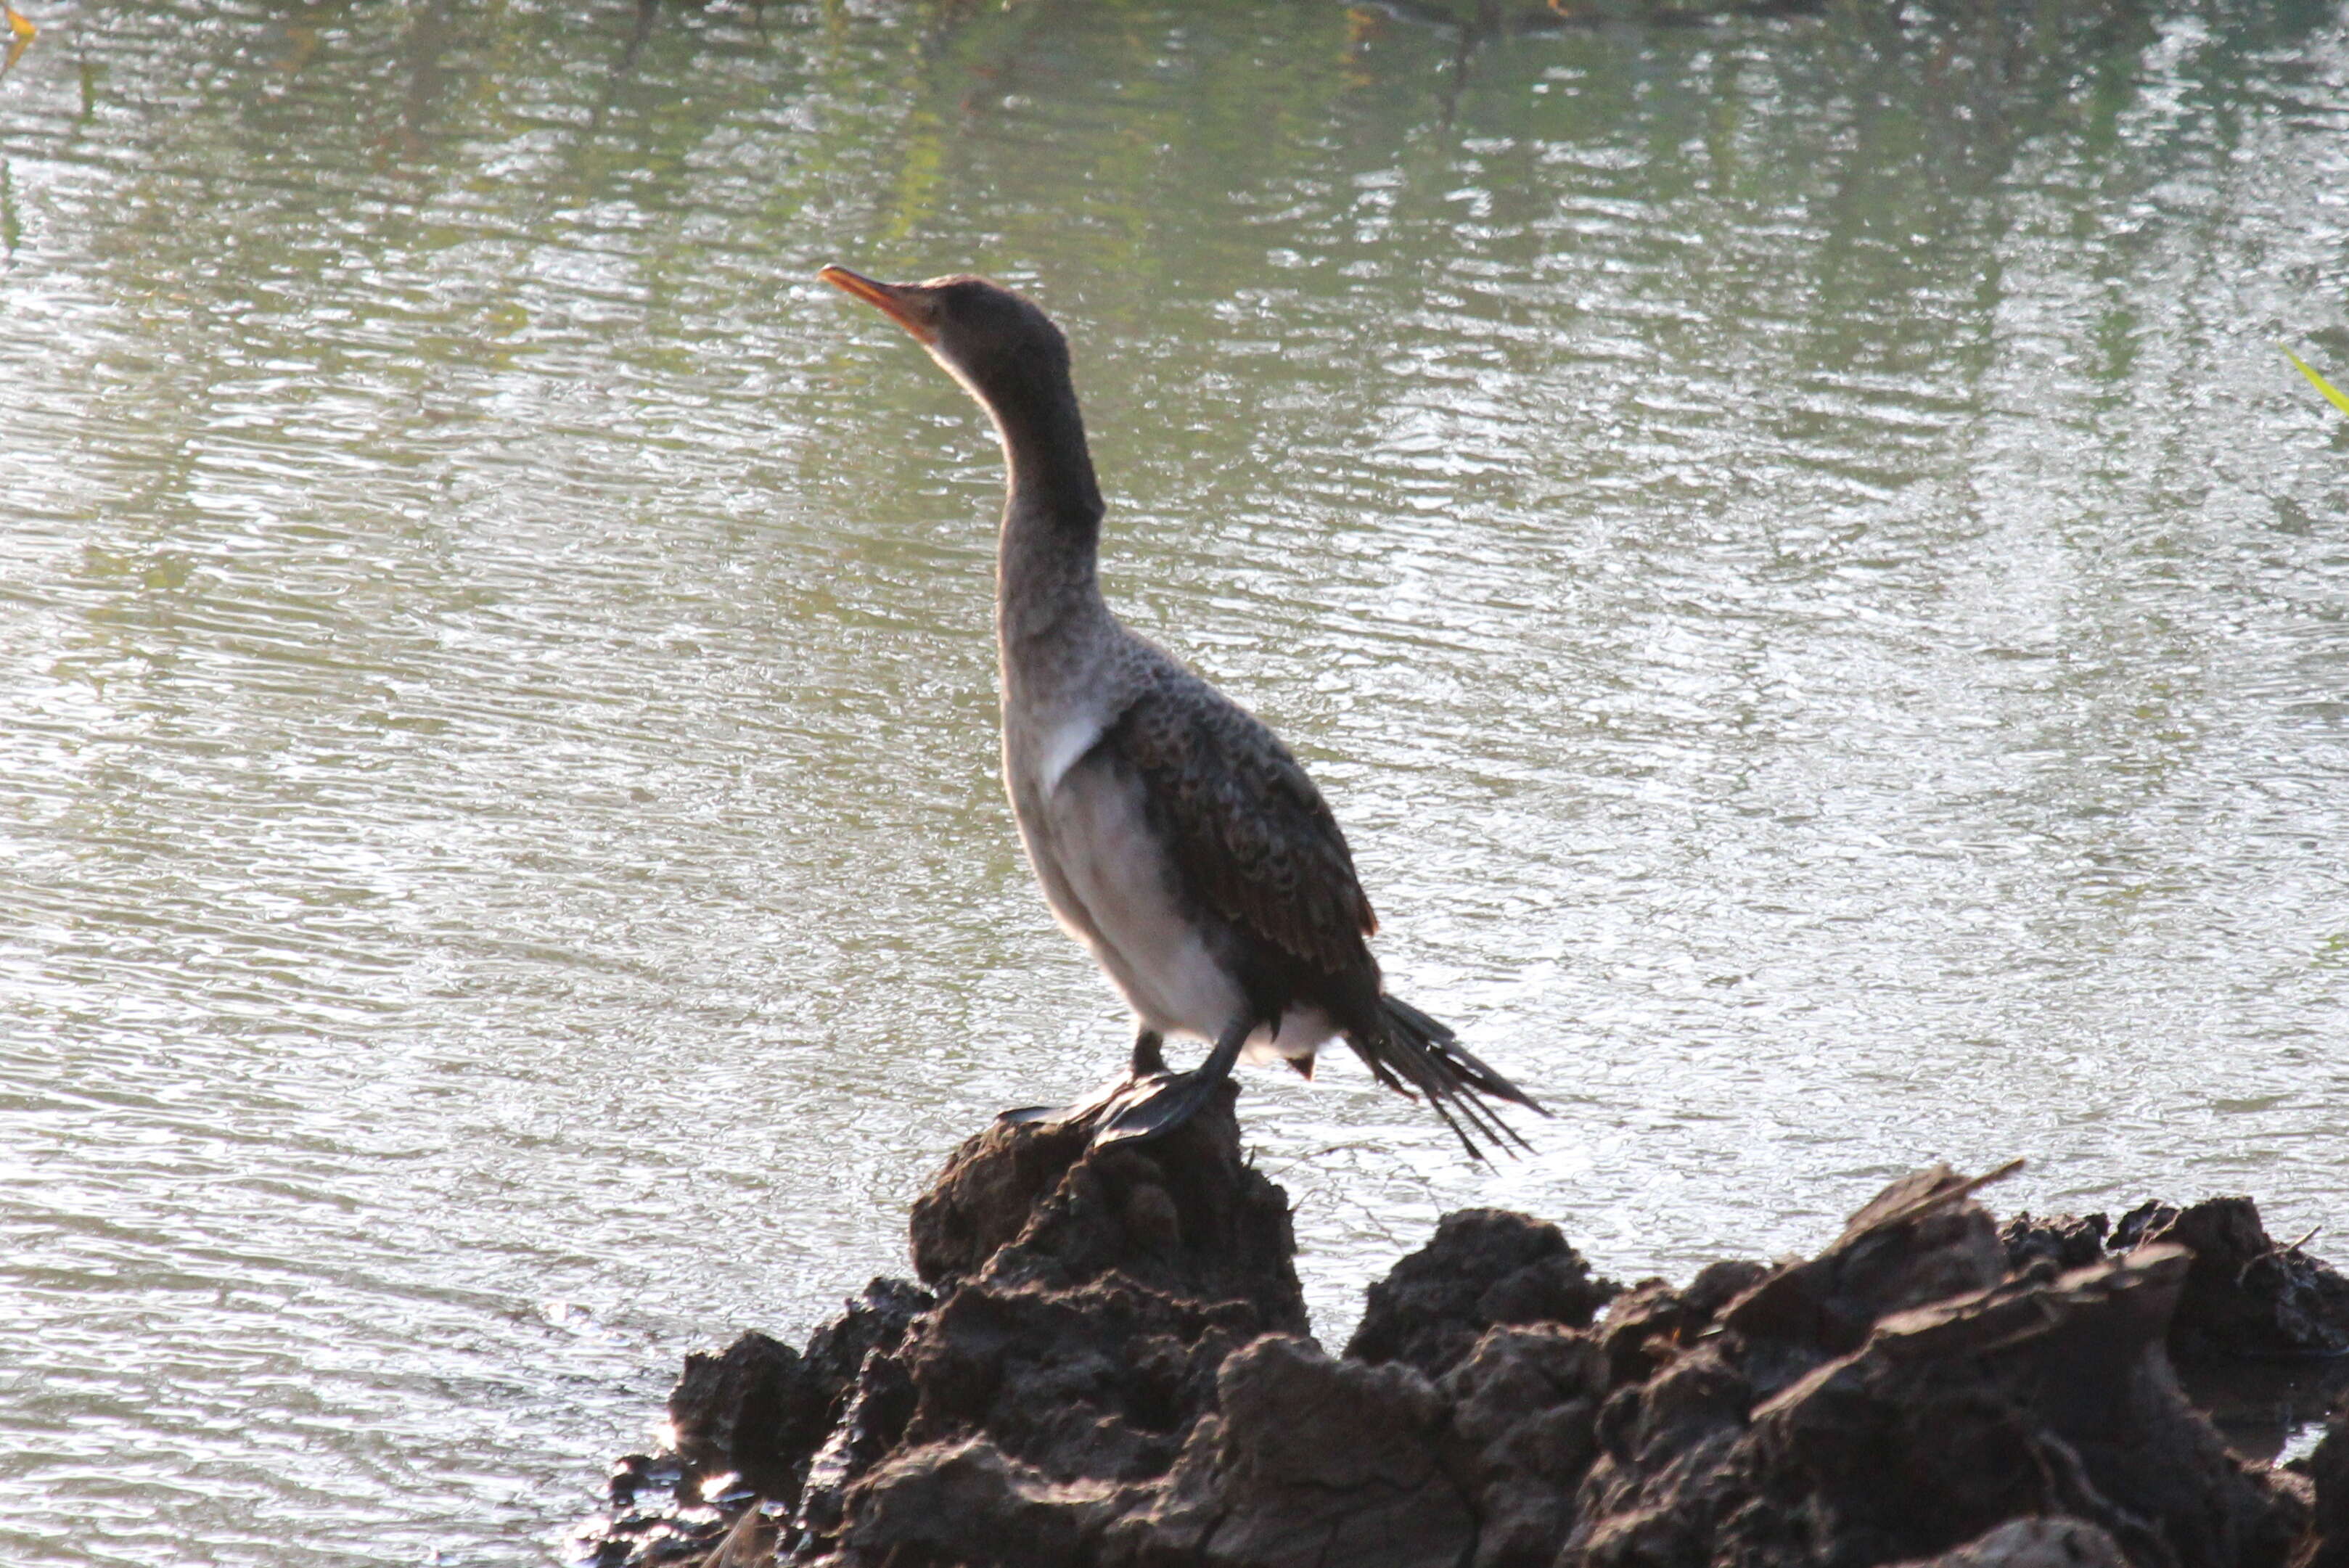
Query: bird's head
[[993, 341]]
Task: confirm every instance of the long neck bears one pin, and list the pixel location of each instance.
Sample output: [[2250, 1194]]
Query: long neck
[[1052, 512]]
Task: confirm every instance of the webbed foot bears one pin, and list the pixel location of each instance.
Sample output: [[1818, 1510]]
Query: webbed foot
[[1090, 1109], [1152, 1107], [1149, 1101], [1129, 1110], [1155, 1104]]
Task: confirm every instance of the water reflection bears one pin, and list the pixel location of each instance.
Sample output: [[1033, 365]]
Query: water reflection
[[1785, 540]]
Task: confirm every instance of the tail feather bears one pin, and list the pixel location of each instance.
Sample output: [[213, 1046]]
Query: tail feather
[[1422, 1058]]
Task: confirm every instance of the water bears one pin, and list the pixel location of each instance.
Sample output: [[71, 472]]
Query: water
[[1789, 545]]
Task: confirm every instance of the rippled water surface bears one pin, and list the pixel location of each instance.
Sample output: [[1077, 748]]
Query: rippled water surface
[[1790, 546]]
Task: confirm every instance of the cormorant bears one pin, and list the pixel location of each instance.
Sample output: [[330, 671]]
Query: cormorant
[[1171, 831]]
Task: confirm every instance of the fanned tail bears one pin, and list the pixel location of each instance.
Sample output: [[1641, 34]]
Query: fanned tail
[[1421, 1057]]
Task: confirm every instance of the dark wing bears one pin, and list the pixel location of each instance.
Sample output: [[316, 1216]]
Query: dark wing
[[1256, 844], [1253, 839]]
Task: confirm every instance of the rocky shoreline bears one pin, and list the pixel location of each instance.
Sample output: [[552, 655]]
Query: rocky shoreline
[[1106, 1365]]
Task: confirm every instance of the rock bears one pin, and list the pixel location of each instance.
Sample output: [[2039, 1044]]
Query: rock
[[1088, 1342], [1524, 1407], [760, 1410], [2246, 1295], [2030, 1397], [1485, 1267], [1650, 1323], [965, 1505], [1114, 1374], [1186, 1215], [2026, 1396], [742, 1412], [1076, 1353], [871, 1425], [2327, 1470], [2037, 1543], [2060, 1243], [1103, 1380], [1310, 1461], [986, 1194], [875, 1321], [1920, 1240]]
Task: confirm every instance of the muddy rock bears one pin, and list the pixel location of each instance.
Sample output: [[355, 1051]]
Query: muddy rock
[[1652, 1323], [2247, 1294], [2057, 1244], [741, 1411], [1090, 1303], [987, 1196], [1525, 1410], [1111, 1370], [2327, 1470], [2037, 1543], [760, 1410], [1942, 1398], [1485, 1267], [1185, 1216], [2051, 1399], [1921, 1239], [965, 1502], [1310, 1461]]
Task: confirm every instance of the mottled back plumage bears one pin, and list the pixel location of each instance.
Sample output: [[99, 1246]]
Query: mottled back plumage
[[1254, 840]]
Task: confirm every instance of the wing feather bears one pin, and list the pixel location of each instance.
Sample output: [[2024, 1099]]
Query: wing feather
[[1252, 837]]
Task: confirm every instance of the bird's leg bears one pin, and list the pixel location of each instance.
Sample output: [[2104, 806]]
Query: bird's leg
[[1153, 1106], [1149, 1055]]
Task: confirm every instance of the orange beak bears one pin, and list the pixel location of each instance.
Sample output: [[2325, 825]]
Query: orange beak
[[907, 305]]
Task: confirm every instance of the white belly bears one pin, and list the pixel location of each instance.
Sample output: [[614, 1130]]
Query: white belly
[[1106, 877]]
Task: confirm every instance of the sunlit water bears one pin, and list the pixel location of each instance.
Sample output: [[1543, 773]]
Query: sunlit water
[[1791, 548]]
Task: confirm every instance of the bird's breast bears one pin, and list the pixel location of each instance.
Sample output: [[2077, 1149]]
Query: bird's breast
[[1109, 879]]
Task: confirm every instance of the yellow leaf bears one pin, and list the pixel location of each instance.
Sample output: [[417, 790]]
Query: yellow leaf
[[2332, 394], [20, 36]]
